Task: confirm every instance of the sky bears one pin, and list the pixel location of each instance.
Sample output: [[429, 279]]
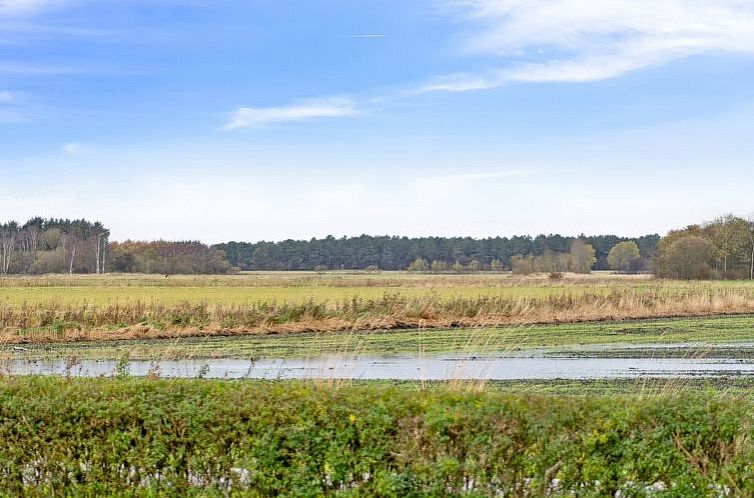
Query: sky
[[268, 120]]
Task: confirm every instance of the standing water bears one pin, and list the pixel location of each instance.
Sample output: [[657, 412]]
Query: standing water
[[444, 367]]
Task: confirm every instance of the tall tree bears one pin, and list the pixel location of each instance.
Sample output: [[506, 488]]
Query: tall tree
[[750, 236], [729, 236], [8, 245], [687, 258], [624, 256], [582, 256]]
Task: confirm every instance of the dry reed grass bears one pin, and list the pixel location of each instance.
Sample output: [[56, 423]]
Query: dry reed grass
[[53, 322], [328, 279]]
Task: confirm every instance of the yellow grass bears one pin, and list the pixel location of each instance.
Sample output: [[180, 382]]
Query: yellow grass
[[298, 287], [61, 308]]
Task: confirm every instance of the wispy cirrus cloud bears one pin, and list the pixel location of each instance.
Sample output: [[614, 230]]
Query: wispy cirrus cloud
[[19, 23], [567, 41], [471, 177], [9, 112], [587, 40], [75, 149], [28, 7], [368, 35], [460, 82], [301, 110], [25, 69]]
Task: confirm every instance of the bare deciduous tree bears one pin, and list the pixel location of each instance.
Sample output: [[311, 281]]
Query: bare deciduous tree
[[8, 245]]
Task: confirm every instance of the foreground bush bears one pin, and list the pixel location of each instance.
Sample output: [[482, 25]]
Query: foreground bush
[[213, 438]]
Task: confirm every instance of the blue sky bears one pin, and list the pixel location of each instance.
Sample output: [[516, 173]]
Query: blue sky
[[255, 120]]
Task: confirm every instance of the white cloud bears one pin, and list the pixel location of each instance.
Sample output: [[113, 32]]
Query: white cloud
[[75, 149], [302, 110], [588, 40], [9, 107], [456, 178], [27, 7], [459, 83], [20, 68]]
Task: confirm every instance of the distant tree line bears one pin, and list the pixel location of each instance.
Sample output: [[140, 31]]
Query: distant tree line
[[53, 246], [580, 259], [551, 252], [722, 248], [187, 257], [80, 246]]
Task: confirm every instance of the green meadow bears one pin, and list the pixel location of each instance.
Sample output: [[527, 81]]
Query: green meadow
[[296, 287]]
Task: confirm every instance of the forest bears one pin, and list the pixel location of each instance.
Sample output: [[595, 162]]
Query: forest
[[183, 257], [719, 249], [722, 248], [53, 246], [399, 253], [79, 246]]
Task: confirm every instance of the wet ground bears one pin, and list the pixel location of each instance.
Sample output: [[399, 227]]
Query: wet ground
[[686, 360]]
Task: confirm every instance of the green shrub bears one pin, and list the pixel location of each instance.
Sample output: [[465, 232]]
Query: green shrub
[[141, 437]]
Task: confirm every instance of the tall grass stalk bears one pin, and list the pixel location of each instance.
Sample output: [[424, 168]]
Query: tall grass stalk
[[52, 321]]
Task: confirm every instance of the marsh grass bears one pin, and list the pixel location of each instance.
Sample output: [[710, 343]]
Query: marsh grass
[[50, 321]]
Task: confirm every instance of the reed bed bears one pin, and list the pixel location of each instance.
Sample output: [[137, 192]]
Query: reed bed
[[52, 321]]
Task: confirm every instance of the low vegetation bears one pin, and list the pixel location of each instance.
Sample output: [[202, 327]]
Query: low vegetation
[[158, 437], [119, 308], [564, 338], [214, 438]]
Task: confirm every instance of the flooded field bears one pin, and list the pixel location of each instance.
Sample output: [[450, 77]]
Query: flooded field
[[675, 361], [669, 348]]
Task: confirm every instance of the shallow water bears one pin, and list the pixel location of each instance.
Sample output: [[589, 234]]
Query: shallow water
[[442, 367]]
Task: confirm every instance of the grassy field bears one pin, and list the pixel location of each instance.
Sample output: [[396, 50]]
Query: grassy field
[[293, 287], [74, 308], [298, 287], [706, 331], [412, 314], [145, 437]]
